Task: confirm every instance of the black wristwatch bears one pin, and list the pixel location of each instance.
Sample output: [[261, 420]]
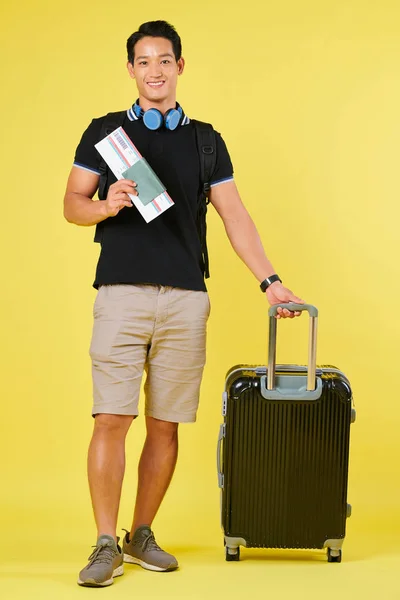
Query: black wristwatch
[[264, 285]]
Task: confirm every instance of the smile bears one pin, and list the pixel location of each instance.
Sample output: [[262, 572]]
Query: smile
[[155, 84]]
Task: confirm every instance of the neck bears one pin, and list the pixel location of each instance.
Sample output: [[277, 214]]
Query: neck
[[162, 105]]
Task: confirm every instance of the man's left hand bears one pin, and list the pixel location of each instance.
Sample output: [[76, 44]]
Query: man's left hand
[[278, 294]]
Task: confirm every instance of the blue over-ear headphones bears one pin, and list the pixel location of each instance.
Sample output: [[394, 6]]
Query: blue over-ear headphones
[[154, 119]]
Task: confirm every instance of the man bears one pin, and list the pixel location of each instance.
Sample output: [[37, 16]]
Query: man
[[152, 306]]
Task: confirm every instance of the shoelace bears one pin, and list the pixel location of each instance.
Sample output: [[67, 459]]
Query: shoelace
[[149, 543], [101, 554]]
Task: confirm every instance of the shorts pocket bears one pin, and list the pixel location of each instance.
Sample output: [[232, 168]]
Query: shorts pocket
[[208, 304], [105, 332]]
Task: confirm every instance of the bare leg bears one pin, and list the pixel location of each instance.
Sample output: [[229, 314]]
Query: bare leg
[[106, 467], [156, 467]]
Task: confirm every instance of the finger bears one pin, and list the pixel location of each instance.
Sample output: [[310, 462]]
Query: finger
[[128, 190], [297, 313], [124, 185], [296, 299], [121, 196], [123, 204], [129, 182], [117, 197]]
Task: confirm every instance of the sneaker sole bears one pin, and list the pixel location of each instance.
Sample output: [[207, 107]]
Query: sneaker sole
[[92, 583], [136, 561]]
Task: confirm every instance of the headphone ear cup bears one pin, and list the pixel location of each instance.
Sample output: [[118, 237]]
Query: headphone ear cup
[[172, 119], [153, 119]]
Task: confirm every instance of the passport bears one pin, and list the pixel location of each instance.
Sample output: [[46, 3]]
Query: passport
[[149, 185]]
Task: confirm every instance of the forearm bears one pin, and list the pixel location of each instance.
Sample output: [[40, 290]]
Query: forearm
[[82, 210], [246, 242]]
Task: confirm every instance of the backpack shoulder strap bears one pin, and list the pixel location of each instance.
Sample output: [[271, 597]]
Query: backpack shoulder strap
[[207, 150], [111, 121]]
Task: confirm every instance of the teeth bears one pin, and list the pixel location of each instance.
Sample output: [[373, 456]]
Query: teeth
[[156, 84]]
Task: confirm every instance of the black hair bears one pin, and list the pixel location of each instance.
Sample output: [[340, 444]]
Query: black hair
[[154, 29]]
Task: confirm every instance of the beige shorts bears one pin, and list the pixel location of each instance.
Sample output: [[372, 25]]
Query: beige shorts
[[154, 329]]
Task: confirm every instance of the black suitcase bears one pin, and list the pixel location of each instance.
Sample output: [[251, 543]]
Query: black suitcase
[[283, 453]]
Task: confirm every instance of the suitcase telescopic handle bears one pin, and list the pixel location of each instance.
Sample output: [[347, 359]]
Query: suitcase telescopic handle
[[312, 344]]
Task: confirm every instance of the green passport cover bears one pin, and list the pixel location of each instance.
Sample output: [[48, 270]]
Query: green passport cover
[[148, 184]]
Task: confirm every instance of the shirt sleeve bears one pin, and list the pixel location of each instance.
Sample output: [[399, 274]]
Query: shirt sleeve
[[223, 171], [86, 155]]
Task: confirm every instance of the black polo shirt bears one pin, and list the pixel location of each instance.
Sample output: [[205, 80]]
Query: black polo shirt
[[167, 250]]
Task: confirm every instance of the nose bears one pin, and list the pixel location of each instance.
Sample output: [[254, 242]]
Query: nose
[[155, 69]]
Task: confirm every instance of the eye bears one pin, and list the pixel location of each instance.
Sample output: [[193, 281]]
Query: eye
[[143, 63], [166, 61]]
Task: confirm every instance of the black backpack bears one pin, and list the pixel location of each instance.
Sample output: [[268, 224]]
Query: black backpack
[[207, 150]]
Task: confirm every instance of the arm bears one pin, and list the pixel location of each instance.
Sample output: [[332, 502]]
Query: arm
[[79, 206], [245, 240]]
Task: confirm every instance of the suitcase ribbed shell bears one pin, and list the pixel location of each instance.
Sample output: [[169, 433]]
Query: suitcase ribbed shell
[[285, 464]]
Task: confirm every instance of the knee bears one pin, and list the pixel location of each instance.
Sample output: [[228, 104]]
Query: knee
[[162, 431], [112, 425]]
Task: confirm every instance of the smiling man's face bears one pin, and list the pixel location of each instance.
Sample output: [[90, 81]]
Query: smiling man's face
[[156, 72]]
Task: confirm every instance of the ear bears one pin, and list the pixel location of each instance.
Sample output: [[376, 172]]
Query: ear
[[131, 70], [181, 65]]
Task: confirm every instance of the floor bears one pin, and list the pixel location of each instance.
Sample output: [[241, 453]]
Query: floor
[[370, 570]]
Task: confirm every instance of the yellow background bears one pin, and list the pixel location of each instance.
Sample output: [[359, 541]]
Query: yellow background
[[307, 96]]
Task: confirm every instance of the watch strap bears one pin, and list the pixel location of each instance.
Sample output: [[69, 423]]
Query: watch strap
[[264, 285]]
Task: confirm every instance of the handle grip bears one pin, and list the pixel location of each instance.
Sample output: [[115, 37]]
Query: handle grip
[[312, 310], [219, 461]]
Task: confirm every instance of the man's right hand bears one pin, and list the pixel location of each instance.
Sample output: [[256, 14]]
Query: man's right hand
[[117, 197]]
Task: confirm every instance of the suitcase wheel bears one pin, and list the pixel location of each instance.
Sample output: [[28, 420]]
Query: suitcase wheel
[[232, 554], [336, 557]]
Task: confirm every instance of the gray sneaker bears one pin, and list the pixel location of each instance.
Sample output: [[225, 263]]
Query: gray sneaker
[[105, 563], [143, 550]]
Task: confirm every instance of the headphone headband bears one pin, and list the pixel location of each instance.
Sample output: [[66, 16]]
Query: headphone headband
[[138, 110]]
